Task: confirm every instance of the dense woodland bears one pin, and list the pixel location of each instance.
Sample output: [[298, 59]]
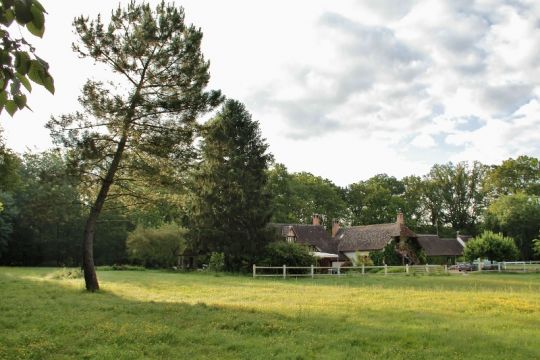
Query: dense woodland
[[135, 169]]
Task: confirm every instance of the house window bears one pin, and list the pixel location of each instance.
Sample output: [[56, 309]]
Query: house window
[[291, 239]]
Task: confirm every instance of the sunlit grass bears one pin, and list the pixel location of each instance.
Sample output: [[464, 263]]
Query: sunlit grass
[[155, 314]]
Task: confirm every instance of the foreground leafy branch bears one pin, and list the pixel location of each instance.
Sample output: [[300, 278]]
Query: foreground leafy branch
[[18, 62]]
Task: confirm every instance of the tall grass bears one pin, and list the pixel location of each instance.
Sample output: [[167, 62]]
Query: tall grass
[[154, 314]]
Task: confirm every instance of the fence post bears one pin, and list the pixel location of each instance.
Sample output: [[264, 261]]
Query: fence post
[[427, 268], [504, 265], [385, 269], [284, 271], [446, 269], [499, 267], [407, 269], [254, 270], [312, 271], [339, 270], [363, 269], [524, 266]]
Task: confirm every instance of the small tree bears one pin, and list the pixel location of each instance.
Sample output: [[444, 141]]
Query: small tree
[[492, 246], [159, 247]]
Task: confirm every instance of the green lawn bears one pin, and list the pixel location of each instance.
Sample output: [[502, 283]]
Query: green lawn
[[151, 314]]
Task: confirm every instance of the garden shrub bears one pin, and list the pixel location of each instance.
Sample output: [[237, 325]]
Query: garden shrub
[[492, 246], [217, 262], [363, 260], [291, 254], [156, 247]]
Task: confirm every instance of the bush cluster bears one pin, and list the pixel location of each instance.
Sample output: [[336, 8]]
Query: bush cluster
[[291, 254]]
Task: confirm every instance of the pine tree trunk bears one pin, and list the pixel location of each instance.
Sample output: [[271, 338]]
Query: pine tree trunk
[[90, 277]]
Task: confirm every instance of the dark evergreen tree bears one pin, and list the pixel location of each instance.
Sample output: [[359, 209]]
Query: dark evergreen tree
[[138, 127], [231, 204]]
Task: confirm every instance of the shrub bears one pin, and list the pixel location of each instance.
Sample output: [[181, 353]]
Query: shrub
[[156, 247], [387, 256], [291, 254], [66, 274], [492, 246], [217, 262], [536, 246], [363, 260]]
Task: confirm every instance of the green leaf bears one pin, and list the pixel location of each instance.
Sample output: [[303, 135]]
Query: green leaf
[[36, 72], [43, 62], [24, 81], [22, 62], [7, 17], [35, 30], [3, 97], [38, 19], [48, 82], [39, 6], [20, 100], [5, 58], [11, 107], [23, 15]]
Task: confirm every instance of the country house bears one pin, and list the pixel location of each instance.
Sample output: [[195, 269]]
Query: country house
[[349, 243]]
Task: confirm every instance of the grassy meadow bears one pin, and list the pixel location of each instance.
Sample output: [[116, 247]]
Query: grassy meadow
[[152, 314]]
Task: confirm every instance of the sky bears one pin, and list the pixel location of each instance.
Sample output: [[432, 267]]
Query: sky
[[344, 89]]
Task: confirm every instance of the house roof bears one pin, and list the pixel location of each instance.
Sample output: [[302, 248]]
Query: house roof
[[315, 235], [370, 237], [433, 245]]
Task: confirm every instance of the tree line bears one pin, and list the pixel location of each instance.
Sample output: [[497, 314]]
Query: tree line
[[44, 206]]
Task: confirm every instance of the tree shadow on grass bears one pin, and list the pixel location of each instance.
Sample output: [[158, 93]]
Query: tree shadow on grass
[[44, 319]]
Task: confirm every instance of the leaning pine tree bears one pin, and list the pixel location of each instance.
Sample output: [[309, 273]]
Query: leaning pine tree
[[230, 201], [139, 125]]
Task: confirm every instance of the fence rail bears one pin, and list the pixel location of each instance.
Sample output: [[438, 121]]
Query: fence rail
[[512, 266], [323, 271]]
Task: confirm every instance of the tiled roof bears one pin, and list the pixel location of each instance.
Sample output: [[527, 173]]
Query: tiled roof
[[370, 237], [433, 245], [314, 235]]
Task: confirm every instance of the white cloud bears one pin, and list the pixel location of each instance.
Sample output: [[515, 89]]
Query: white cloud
[[364, 84]]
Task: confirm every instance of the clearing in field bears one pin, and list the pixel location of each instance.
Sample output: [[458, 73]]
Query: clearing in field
[[151, 314]]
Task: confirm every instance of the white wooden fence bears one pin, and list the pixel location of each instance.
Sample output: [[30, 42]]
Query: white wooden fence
[[320, 271], [512, 266]]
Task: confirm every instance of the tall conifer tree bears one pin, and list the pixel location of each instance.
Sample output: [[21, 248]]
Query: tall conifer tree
[[231, 202]]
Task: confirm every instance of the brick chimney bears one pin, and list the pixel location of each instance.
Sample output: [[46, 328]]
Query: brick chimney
[[335, 227], [400, 219], [316, 219]]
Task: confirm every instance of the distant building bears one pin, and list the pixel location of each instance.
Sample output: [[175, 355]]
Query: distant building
[[346, 243]]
